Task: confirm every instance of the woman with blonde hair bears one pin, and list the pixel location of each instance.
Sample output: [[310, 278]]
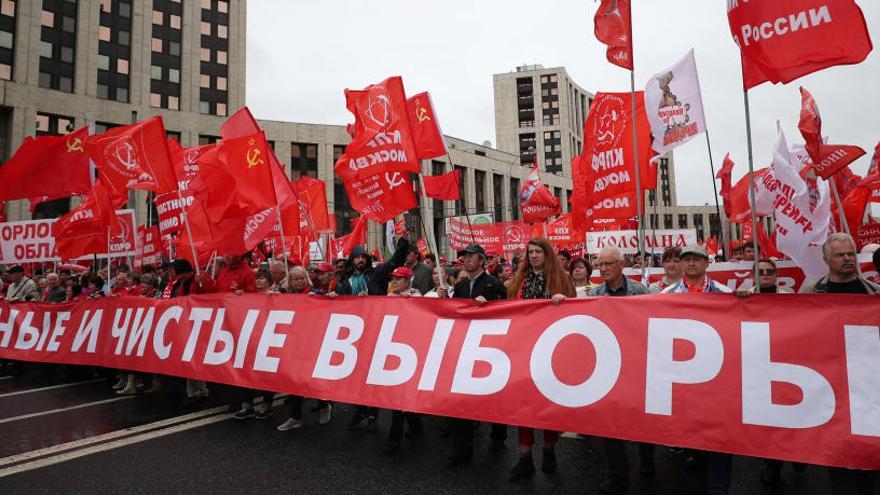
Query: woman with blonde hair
[[540, 276]]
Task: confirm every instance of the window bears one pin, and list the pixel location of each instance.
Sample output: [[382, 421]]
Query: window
[[667, 221], [58, 45], [460, 208], [497, 196], [550, 99], [514, 199], [527, 144], [207, 139], [165, 59], [698, 224], [553, 151], [214, 39], [480, 190], [303, 160], [438, 168], [682, 221]]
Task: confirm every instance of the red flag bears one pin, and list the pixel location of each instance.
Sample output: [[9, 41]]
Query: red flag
[[827, 159], [134, 157], [725, 175], [604, 174], [740, 204], [400, 226], [712, 245], [377, 255], [358, 235], [423, 247], [427, 137], [235, 179], [613, 27], [382, 133], [782, 41], [536, 201], [381, 197], [85, 229], [444, 187], [49, 167], [312, 195]]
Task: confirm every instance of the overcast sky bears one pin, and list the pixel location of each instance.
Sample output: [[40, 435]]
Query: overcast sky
[[301, 54]]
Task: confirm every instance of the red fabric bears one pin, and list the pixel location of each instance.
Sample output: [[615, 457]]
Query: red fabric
[[357, 237], [382, 139], [536, 202], [604, 175], [740, 204], [84, 230], [444, 187], [235, 179], [427, 138], [613, 27], [606, 367], [782, 41], [828, 159], [312, 194], [381, 197], [134, 157], [725, 175], [231, 280], [47, 167]]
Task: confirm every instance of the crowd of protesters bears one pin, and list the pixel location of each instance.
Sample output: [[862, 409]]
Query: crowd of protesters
[[477, 275]]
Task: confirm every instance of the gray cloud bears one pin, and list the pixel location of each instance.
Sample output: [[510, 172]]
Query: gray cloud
[[302, 54]]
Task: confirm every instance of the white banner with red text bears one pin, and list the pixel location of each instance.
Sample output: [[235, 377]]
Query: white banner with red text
[[792, 377]]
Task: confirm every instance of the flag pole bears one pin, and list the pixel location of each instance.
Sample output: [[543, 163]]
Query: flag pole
[[189, 233], [430, 232], [461, 192], [283, 239], [715, 190], [108, 253], [844, 225], [752, 189], [632, 81], [656, 218]]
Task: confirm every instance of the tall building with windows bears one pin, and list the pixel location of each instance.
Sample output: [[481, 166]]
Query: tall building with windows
[[65, 64], [539, 113]]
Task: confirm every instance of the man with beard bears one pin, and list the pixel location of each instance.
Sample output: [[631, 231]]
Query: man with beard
[[362, 279]]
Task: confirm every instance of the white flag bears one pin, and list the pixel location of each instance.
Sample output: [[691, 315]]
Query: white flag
[[802, 212], [674, 105]]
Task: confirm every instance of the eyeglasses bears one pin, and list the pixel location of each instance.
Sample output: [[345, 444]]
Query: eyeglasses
[[766, 272], [603, 264]]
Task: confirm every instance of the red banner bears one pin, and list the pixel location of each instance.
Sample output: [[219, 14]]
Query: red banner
[[610, 367], [381, 197]]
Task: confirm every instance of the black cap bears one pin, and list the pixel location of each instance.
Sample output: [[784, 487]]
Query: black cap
[[16, 269], [472, 249]]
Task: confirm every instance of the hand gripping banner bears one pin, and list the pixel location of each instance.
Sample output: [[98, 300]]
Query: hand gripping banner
[[793, 377]]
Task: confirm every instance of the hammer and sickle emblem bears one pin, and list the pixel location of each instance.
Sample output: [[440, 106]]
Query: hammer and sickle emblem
[[253, 157], [422, 114], [394, 179], [74, 144]]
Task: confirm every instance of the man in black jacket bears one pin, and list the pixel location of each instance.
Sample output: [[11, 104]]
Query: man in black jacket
[[482, 288], [362, 279]]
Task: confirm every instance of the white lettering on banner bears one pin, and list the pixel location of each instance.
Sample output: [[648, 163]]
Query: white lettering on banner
[[608, 159], [464, 381], [621, 177], [159, 347], [431, 369], [627, 241], [609, 204], [244, 337], [57, 331], [662, 370], [385, 347], [758, 372], [7, 327], [88, 329], [197, 316], [222, 338], [27, 334], [599, 383], [863, 378], [332, 344], [785, 25], [269, 339]]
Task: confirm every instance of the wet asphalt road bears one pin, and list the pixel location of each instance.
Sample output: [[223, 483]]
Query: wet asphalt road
[[80, 437]]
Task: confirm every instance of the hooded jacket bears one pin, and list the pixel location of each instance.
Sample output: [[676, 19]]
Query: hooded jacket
[[376, 278]]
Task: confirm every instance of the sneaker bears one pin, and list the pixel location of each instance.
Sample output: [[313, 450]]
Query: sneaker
[[525, 468], [244, 413], [371, 424], [127, 390], [264, 413], [324, 414], [548, 464], [290, 424], [120, 383]]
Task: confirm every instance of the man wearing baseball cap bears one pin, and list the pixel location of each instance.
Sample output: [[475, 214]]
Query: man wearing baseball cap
[[482, 288], [694, 262]]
